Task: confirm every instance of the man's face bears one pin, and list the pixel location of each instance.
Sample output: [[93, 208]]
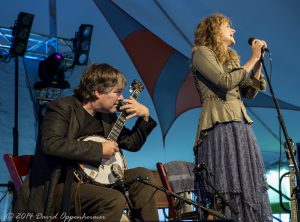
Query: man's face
[[108, 102]]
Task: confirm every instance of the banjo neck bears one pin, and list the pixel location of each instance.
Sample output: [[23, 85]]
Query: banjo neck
[[115, 132], [118, 126]]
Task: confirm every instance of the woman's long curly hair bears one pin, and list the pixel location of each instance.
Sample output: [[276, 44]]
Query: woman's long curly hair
[[208, 34], [98, 77]]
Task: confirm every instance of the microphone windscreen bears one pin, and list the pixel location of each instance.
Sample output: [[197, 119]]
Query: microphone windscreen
[[250, 40]]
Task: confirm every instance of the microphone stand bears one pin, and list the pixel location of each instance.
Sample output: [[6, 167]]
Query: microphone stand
[[289, 142], [123, 186], [198, 169], [172, 194]]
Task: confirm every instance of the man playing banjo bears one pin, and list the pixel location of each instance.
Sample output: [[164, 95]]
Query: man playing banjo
[[55, 186]]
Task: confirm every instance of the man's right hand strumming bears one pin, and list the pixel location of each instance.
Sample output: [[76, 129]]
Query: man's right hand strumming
[[109, 149]]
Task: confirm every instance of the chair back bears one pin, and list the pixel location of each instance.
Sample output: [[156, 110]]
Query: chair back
[[160, 197], [17, 166], [179, 179]]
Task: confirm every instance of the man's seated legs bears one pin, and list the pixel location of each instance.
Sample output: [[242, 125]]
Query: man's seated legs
[[101, 203], [142, 195]]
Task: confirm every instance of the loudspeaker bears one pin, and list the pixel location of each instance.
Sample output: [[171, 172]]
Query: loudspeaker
[[82, 43], [21, 32]]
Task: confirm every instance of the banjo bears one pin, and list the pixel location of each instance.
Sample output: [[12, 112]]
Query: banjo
[[110, 170]]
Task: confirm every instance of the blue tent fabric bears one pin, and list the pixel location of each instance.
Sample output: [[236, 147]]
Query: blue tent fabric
[[170, 85], [265, 101]]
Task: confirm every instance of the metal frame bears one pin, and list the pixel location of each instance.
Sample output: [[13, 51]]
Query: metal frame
[[39, 45]]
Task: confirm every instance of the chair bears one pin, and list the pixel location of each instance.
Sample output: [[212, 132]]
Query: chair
[[178, 183], [160, 197], [17, 166]]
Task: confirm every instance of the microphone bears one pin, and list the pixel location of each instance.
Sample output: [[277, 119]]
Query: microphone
[[199, 168], [117, 171], [250, 40], [121, 183], [120, 103]]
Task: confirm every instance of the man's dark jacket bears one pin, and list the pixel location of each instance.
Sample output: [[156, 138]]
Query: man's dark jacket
[[58, 148]]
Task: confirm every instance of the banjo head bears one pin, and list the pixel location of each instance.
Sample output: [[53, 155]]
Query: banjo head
[[103, 174]]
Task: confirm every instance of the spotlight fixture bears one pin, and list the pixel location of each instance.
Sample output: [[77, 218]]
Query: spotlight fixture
[[20, 34], [82, 43], [51, 73]]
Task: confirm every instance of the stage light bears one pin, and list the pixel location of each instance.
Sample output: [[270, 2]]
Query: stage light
[[51, 73], [82, 43], [20, 34]]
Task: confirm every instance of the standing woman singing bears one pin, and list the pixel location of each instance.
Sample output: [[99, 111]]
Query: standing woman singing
[[225, 142]]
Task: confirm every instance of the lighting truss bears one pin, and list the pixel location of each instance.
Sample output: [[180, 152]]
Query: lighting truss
[[39, 46]]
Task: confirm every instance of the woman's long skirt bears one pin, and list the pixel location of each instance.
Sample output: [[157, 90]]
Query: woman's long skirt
[[235, 166]]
